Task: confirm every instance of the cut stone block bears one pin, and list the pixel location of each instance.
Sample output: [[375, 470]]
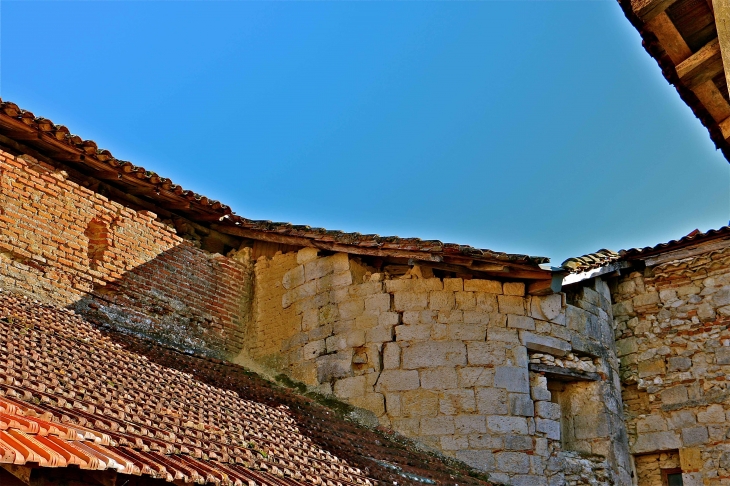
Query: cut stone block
[[545, 344]]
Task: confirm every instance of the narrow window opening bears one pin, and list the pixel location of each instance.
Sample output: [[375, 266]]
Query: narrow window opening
[[672, 477]]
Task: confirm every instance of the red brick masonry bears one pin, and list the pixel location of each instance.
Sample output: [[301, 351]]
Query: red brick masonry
[[64, 244]]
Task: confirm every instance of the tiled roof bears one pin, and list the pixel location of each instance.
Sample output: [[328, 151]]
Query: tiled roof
[[604, 257], [694, 237], [393, 243], [57, 142], [590, 261], [90, 403], [72, 395]]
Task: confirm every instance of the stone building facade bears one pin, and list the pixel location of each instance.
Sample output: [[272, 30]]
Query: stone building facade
[[617, 376], [610, 369], [671, 316], [448, 361]]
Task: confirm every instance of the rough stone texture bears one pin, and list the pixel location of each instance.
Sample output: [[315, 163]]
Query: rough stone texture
[[649, 467], [674, 346], [445, 361]]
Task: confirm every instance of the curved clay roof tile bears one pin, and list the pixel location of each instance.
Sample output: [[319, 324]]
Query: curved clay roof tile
[[10, 109], [44, 124], [73, 140], [28, 118]]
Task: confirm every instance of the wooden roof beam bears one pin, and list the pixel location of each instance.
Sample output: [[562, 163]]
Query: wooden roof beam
[[669, 37], [22, 473], [713, 100], [648, 9], [701, 66], [725, 128], [546, 286], [721, 9]]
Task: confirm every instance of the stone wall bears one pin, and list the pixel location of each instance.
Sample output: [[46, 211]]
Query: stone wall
[[64, 244], [446, 361], [673, 339], [652, 469]]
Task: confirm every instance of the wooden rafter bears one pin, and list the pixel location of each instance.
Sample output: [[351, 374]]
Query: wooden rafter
[[648, 9], [701, 66], [478, 268], [22, 473], [721, 10], [669, 37], [715, 103]]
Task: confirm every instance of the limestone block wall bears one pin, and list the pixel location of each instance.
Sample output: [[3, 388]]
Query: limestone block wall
[[446, 361], [64, 244], [674, 344]]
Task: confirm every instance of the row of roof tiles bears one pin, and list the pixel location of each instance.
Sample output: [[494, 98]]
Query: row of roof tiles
[[590, 261], [72, 395], [89, 150], [692, 238], [27, 438], [605, 257], [16, 119], [69, 396]]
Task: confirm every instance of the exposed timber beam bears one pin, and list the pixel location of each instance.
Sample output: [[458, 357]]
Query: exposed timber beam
[[721, 9], [448, 267], [564, 374], [669, 37], [488, 267], [104, 478], [648, 9], [725, 127], [22, 473], [701, 66], [547, 286], [713, 101]]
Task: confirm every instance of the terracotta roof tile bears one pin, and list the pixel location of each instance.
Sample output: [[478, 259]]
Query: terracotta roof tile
[[58, 142], [692, 238], [433, 247], [590, 261], [72, 395]]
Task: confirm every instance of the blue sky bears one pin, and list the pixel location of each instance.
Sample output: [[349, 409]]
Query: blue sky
[[538, 127]]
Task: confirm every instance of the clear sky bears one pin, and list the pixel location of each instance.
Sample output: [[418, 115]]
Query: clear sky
[[537, 127]]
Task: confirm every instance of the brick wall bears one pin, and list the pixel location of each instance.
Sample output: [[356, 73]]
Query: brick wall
[[446, 361], [673, 339], [67, 245]]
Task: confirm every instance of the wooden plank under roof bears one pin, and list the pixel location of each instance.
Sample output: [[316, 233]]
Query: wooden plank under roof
[[682, 35]]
